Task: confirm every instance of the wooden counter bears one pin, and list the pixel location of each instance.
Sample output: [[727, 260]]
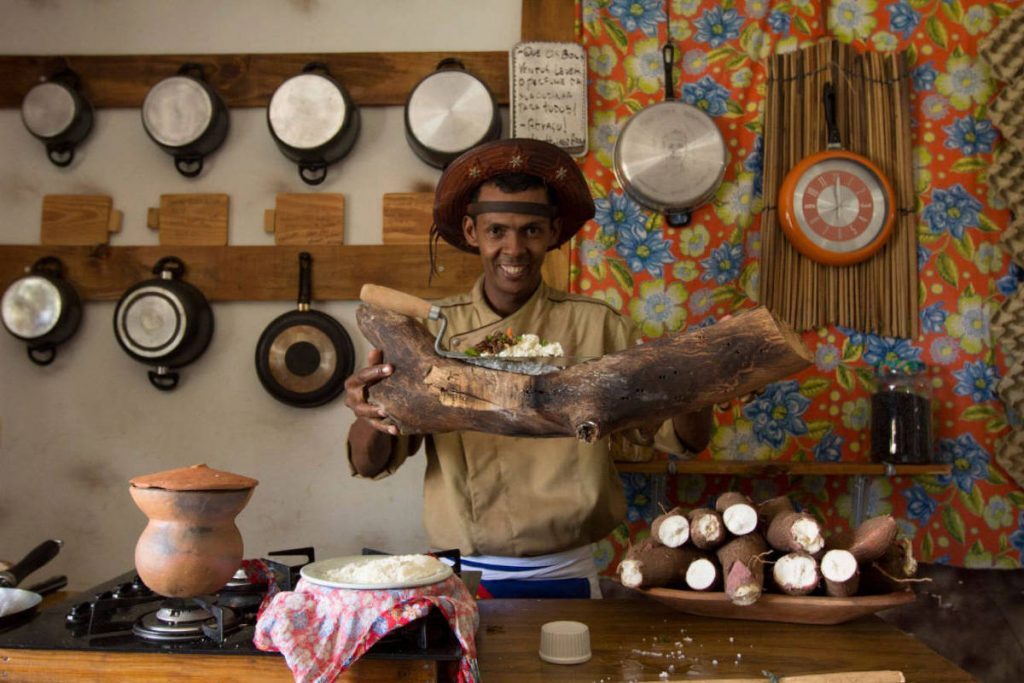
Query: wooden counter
[[636, 640], [631, 639]]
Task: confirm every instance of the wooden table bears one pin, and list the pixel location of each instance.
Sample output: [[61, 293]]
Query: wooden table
[[631, 640], [638, 639]]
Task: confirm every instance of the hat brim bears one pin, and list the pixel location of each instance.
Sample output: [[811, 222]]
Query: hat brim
[[548, 162]]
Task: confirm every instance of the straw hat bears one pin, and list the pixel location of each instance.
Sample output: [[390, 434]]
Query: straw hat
[[551, 164]]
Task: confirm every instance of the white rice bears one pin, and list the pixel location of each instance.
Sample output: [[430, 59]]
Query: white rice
[[387, 569], [529, 346]]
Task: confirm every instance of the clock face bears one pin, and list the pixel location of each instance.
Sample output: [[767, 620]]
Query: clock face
[[836, 208]]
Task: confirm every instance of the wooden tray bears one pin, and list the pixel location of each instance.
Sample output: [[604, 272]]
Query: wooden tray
[[787, 608]]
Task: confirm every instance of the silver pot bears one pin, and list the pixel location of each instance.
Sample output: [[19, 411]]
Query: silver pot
[[42, 308], [165, 322], [313, 121], [57, 113], [670, 157], [186, 118], [449, 112]]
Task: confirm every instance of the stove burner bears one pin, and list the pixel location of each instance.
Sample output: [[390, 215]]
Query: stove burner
[[180, 620]]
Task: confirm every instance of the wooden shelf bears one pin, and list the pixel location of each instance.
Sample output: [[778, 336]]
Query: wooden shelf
[[254, 273], [772, 468], [246, 80]]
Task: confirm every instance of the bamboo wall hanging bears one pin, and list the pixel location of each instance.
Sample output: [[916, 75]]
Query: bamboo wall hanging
[[880, 294]]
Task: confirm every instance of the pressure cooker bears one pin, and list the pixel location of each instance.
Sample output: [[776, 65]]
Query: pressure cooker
[[56, 112], [42, 308], [313, 121], [164, 322], [186, 118]]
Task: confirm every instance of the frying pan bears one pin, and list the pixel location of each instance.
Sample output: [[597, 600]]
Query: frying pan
[[415, 307], [16, 602], [304, 356], [670, 157]]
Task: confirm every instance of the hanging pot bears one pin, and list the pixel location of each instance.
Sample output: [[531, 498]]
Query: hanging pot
[[165, 322], [186, 118], [42, 308], [449, 112], [313, 121], [670, 157], [304, 357], [57, 113]]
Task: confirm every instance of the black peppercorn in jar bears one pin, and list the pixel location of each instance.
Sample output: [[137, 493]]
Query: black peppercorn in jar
[[901, 414]]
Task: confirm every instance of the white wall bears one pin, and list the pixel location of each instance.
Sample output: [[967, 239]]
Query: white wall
[[74, 433]]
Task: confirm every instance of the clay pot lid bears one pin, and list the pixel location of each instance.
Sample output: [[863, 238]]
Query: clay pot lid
[[194, 478]]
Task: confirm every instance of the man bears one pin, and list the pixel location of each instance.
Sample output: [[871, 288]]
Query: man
[[524, 511]]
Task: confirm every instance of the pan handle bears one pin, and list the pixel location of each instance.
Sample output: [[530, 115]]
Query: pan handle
[[398, 302], [829, 97], [36, 558], [668, 57]]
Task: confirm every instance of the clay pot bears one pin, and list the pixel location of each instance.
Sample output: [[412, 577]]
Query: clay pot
[[191, 545]]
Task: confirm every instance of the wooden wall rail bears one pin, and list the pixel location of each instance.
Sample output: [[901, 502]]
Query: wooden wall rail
[[254, 273], [246, 80], [771, 468]]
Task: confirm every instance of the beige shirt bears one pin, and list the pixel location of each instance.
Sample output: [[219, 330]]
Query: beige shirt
[[513, 496]]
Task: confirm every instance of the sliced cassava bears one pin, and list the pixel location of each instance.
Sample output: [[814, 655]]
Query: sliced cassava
[[872, 538], [769, 509], [796, 573], [893, 571], [737, 512], [671, 529], [702, 574], [649, 564], [742, 561], [840, 572], [795, 531], [707, 530]]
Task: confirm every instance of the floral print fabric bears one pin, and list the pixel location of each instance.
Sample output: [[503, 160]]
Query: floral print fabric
[[321, 631], [670, 280]]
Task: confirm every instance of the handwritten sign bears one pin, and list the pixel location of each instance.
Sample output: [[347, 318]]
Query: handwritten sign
[[548, 81]]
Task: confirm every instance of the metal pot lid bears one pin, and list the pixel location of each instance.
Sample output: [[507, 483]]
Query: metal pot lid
[[450, 111], [31, 307], [177, 111], [151, 321], [670, 155], [307, 111], [48, 109]]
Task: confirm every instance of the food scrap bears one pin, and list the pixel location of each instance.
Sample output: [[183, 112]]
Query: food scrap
[[508, 345]]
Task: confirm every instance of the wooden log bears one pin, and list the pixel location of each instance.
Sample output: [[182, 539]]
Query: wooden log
[[630, 388]]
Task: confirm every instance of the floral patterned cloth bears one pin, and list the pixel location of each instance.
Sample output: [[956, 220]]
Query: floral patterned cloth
[[670, 280], [321, 631]]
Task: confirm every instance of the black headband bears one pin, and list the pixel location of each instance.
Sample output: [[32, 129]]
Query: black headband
[[530, 208]]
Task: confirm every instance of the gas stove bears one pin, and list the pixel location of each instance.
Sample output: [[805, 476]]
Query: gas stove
[[124, 615]]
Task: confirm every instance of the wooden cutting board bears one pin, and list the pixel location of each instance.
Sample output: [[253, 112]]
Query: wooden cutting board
[[302, 218], [78, 219], [407, 217], [191, 219]]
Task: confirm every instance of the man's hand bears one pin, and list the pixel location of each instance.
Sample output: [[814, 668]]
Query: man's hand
[[356, 387]]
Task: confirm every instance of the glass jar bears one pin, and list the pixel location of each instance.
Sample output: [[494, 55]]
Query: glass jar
[[901, 414]]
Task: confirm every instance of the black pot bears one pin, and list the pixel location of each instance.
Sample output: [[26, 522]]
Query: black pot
[[304, 357], [313, 121], [165, 322], [186, 118], [42, 308], [449, 112], [57, 113]]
